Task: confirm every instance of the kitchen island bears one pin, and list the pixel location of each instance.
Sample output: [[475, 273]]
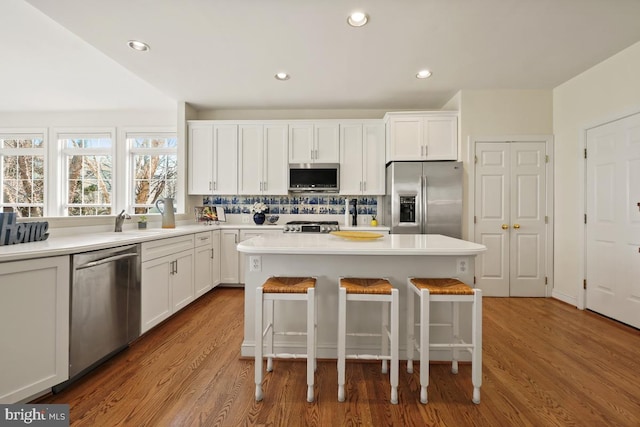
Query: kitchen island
[[327, 257]]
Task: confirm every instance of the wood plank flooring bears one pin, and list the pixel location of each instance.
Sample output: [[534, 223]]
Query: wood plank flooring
[[545, 364]]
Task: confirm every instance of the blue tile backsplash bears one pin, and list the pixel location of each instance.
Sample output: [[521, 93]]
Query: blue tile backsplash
[[302, 204]]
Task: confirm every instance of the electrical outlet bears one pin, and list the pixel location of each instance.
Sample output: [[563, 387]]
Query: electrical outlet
[[255, 263], [462, 265], [246, 219]]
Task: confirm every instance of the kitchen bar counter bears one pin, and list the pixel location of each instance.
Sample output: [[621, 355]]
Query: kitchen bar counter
[[328, 257]]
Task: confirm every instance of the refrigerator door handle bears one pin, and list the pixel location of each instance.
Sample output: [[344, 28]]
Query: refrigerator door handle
[[425, 212]]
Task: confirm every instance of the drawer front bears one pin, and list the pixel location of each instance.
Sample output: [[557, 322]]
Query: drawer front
[[203, 239], [163, 247]]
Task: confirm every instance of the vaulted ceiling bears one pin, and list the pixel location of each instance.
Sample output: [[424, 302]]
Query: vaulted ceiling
[[221, 54]]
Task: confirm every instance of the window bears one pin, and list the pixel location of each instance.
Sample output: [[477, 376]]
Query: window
[[154, 169], [88, 173], [22, 161]]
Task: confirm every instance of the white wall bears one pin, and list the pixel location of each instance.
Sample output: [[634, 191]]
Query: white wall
[[605, 92], [494, 113]]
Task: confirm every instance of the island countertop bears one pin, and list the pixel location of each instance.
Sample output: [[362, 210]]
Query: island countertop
[[388, 244]]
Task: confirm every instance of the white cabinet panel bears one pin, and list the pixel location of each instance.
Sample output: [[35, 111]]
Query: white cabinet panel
[[422, 136], [317, 142], [207, 262], [34, 326], [362, 155], [213, 158], [229, 256], [263, 159]]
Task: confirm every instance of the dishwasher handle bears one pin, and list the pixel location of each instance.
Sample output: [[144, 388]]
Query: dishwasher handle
[[105, 260]]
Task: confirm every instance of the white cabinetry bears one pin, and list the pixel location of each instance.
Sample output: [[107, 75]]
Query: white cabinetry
[[34, 326], [362, 158], [262, 167], [245, 235], [317, 142], [207, 261], [167, 283], [229, 256], [213, 158], [422, 136]]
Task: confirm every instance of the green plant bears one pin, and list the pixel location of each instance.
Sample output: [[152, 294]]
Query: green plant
[[142, 218]]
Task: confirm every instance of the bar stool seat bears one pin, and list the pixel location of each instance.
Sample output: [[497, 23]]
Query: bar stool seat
[[284, 289], [444, 290], [371, 290]]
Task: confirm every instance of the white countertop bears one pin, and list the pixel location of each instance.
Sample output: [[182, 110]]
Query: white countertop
[[388, 244]]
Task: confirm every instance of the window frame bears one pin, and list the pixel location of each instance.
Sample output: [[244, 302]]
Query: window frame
[[130, 152], [61, 134], [28, 133]]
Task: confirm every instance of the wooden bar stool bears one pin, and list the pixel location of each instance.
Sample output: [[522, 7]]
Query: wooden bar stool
[[444, 290], [371, 290], [284, 289]]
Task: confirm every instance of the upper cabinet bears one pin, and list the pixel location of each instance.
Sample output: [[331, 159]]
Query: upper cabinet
[[422, 136], [262, 166], [362, 161], [317, 142], [213, 158]]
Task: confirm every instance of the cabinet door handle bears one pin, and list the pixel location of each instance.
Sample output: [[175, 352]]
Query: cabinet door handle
[[260, 185], [209, 185], [264, 185], [212, 256], [364, 186], [426, 150]]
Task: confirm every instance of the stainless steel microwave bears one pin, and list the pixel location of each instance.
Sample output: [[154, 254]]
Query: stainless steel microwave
[[307, 177]]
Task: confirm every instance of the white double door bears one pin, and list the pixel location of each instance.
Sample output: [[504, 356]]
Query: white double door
[[511, 218], [613, 220]]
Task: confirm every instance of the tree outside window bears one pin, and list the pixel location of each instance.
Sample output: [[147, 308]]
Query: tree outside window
[[22, 161], [154, 165], [89, 167]]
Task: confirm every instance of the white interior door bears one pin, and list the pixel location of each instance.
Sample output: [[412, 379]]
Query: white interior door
[[613, 220], [510, 215]]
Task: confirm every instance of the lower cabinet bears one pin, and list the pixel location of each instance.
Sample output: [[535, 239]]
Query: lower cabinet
[[34, 326], [167, 278], [229, 239], [207, 261]]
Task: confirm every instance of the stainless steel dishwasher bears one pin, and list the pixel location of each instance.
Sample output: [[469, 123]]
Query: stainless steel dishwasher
[[105, 307]]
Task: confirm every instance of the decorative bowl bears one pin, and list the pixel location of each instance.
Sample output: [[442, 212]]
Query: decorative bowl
[[272, 219]]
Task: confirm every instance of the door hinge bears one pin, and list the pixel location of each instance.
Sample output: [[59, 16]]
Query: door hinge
[[585, 153], [474, 280], [585, 218], [584, 284], [546, 158], [546, 280], [475, 219]]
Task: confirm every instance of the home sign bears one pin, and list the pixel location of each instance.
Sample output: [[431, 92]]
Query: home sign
[[12, 232]]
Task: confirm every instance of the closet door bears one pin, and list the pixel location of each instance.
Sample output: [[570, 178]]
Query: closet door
[[613, 220], [510, 216]]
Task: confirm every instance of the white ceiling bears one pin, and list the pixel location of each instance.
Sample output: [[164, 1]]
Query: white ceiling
[[223, 54]]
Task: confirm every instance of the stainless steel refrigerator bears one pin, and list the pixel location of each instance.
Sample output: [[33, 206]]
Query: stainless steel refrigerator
[[424, 198]]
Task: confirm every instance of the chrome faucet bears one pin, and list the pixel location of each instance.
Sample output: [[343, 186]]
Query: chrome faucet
[[120, 219]]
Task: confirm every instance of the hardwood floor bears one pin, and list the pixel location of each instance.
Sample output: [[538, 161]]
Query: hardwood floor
[[545, 363]]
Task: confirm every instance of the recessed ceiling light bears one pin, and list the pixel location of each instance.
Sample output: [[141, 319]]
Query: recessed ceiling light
[[423, 74], [282, 76], [138, 45], [358, 19]]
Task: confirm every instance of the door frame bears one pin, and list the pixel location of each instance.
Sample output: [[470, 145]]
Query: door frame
[[471, 197], [581, 299]]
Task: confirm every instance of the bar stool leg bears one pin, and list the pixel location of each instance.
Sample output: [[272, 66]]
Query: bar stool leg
[[384, 338], [411, 324], [342, 336], [395, 333], [270, 333], [258, 345], [455, 321], [311, 339], [424, 344], [476, 357]]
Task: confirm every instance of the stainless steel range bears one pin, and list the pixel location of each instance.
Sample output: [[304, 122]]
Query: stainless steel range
[[311, 226]]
